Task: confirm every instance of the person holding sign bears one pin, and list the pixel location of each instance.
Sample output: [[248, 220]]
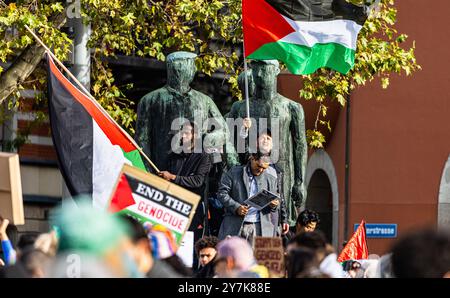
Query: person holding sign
[[249, 195], [189, 169]]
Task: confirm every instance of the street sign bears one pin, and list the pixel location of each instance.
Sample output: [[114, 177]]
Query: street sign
[[379, 230]]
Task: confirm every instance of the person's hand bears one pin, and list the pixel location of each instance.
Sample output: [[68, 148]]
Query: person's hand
[[285, 228], [247, 123], [3, 226], [274, 203], [297, 195], [2, 263], [242, 210], [167, 175]]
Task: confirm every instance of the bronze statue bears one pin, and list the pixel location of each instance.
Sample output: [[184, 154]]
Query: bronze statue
[[286, 120], [162, 112]]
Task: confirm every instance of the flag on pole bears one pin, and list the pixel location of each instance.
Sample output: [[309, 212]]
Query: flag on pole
[[356, 248], [304, 34], [91, 147]]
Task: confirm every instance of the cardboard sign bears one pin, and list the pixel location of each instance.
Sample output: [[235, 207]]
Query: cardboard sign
[[270, 253], [149, 198], [11, 201]]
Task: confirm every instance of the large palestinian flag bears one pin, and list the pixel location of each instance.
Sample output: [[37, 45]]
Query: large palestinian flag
[[304, 34], [90, 145]]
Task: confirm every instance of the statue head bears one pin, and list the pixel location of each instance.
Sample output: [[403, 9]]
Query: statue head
[[251, 83], [265, 73], [180, 70]]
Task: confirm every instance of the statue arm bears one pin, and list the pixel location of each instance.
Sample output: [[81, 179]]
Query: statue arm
[[300, 152], [224, 135]]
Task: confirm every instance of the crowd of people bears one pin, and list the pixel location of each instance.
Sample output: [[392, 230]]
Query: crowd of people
[[87, 242]]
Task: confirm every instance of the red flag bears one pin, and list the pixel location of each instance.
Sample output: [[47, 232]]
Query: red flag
[[356, 247]]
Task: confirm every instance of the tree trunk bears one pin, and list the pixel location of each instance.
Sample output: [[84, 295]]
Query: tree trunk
[[25, 64]]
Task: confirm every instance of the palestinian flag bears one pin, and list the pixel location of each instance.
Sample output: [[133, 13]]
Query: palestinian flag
[[304, 34], [90, 145], [356, 247]]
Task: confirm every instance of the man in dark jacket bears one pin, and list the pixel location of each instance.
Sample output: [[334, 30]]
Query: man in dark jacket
[[189, 169]]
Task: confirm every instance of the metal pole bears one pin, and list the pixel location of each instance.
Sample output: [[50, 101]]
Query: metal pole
[[347, 169], [247, 102], [82, 55], [244, 132]]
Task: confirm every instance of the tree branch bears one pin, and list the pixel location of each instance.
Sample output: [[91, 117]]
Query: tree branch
[[25, 64]]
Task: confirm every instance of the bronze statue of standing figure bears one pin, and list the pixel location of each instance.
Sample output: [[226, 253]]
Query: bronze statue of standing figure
[[286, 120], [162, 112]]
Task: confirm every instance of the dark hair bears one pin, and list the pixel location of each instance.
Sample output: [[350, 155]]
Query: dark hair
[[205, 242], [137, 229], [308, 216], [423, 254], [264, 131], [313, 240], [299, 261], [33, 259], [26, 240], [259, 155]]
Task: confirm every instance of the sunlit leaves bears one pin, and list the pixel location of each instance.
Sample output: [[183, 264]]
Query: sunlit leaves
[[381, 51], [212, 29]]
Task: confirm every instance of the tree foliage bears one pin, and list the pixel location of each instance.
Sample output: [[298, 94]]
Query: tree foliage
[[380, 53], [211, 28]]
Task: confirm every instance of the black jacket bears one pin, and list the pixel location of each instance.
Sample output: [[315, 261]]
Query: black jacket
[[191, 170], [283, 216]]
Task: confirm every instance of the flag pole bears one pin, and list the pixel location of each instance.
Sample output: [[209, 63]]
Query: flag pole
[[88, 94], [247, 101]]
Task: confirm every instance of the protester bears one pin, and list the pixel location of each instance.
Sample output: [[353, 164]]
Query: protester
[[142, 253], [422, 254], [98, 240], [353, 269], [325, 254], [206, 251], [35, 262], [237, 185], [25, 242], [384, 268], [189, 169], [265, 145], [7, 248], [307, 221], [235, 259], [302, 262], [164, 247]]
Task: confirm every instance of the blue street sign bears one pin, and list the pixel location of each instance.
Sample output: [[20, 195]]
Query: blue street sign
[[377, 230]]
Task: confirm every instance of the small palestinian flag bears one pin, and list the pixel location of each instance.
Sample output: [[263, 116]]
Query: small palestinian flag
[[304, 34], [90, 145]]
